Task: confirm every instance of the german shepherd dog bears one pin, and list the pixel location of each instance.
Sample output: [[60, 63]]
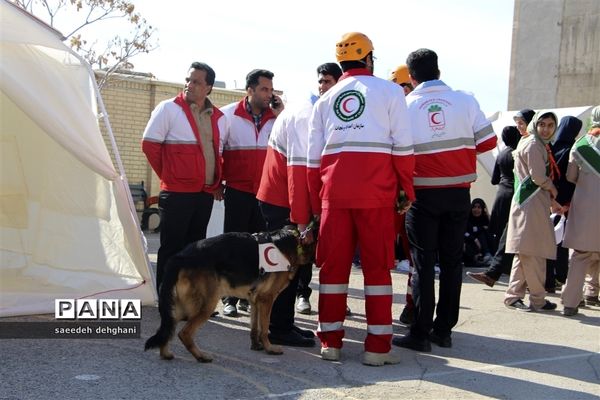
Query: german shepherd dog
[[225, 265]]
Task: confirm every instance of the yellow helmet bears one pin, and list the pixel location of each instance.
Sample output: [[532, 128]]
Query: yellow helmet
[[353, 46], [400, 75]]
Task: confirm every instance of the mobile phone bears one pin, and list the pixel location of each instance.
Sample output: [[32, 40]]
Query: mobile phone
[[274, 102]]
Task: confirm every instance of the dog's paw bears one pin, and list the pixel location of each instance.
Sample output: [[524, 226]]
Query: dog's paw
[[257, 346], [274, 350], [203, 358], [167, 356]]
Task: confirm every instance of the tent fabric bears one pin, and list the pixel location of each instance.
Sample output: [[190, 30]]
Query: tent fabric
[[67, 226]]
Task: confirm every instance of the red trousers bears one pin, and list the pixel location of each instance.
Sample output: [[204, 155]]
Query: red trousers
[[341, 229]]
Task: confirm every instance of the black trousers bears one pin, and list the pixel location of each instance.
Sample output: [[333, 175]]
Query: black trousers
[[183, 219], [502, 261], [241, 215], [282, 314], [436, 225], [304, 278], [557, 270]]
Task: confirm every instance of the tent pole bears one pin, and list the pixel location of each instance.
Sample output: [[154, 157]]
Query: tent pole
[[115, 149]]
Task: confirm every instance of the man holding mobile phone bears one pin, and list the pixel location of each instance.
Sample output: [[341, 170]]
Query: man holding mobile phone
[[244, 147]]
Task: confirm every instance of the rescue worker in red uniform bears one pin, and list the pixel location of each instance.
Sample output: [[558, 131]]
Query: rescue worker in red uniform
[[181, 143], [360, 155], [244, 148]]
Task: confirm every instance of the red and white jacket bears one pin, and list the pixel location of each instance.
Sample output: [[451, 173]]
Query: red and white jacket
[[244, 147], [173, 147], [283, 181], [449, 129], [360, 150]]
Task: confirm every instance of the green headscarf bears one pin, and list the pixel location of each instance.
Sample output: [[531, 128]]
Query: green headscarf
[[532, 127]]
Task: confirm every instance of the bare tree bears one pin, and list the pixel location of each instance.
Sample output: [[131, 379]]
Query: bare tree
[[117, 52]]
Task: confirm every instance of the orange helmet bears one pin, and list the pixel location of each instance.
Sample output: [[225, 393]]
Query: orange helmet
[[353, 46], [400, 75]]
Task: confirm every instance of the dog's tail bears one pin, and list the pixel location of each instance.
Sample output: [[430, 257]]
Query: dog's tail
[[165, 307]]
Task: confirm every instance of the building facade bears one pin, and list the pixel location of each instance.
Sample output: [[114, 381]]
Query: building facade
[[555, 56]]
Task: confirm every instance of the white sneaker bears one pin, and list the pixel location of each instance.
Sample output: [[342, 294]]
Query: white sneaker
[[230, 310], [303, 306], [379, 359], [330, 353]]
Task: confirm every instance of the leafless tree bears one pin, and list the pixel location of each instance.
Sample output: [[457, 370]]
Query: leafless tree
[[117, 52]]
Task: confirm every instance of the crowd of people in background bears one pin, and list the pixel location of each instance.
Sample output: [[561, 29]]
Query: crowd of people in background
[[382, 165]]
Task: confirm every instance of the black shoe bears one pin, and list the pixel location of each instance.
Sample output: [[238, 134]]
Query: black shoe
[[244, 305], [442, 341], [548, 306], [407, 316], [214, 314], [518, 305], [303, 332], [410, 342], [482, 277], [291, 338]]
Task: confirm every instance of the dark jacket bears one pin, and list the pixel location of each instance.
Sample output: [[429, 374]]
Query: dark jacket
[[504, 177], [567, 131]]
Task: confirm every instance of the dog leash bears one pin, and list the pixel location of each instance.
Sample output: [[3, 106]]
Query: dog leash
[[309, 228]]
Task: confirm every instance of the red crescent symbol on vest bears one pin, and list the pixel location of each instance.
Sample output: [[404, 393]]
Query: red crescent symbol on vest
[[345, 104], [433, 115], [266, 254]]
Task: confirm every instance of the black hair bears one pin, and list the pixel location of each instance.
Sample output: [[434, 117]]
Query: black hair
[[480, 202], [362, 63], [423, 65], [330, 69], [210, 73], [255, 74]]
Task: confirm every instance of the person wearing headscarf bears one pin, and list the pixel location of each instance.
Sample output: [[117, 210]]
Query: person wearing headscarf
[[530, 234], [567, 131], [522, 119], [478, 241], [501, 262], [504, 177], [582, 233]]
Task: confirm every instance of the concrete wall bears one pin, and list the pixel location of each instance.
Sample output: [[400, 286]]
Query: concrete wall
[[129, 100], [555, 61]]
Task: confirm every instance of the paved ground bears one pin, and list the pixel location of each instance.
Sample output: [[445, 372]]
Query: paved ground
[[497, 353]]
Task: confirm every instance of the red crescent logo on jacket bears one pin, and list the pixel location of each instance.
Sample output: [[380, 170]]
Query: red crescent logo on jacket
[[437, 120], [266, 254], [349, 105], [434, 118]]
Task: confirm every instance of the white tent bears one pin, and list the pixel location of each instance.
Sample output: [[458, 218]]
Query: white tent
[[68, 228], [483, 187]]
